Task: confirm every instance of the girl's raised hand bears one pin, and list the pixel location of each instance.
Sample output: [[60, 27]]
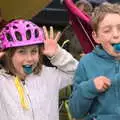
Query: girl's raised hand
[[50, 43]]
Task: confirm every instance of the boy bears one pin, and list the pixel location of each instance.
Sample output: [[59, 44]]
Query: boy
[[96, 91]]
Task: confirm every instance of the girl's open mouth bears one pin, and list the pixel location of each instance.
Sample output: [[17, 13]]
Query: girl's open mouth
[[27, 69]]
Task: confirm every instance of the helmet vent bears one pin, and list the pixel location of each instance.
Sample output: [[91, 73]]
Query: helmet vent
[[18, 36], [7, 28], [28, 34], [9, 37], [27, 25], [14, 27], [36, 33]]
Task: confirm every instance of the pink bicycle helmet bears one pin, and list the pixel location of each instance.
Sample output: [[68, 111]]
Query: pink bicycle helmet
[[20, 33]]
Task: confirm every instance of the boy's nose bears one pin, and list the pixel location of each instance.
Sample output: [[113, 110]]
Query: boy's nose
[[116, 34]]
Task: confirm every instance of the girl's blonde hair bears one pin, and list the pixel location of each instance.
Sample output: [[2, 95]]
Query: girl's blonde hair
[[9, 67], [101, 11]]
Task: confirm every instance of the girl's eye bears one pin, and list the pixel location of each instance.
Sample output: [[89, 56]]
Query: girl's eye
[[34, 51], [21, 51], [118, 27]]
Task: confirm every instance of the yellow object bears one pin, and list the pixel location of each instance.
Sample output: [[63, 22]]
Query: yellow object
[[25, 9], [65, 42], [24, 101]]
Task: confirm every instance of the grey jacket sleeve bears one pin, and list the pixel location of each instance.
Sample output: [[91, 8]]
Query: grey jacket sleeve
[[66, 65]]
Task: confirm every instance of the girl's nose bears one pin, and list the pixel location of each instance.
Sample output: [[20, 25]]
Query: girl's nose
[[29, 57]]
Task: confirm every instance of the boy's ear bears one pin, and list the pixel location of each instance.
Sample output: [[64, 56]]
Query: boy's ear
[[95, 37]]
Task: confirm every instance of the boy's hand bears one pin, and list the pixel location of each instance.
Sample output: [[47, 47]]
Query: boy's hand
[[50, 43], [102, 83]]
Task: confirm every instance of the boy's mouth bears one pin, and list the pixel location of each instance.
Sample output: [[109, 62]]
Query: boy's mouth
[[116, 47], [27, 69]]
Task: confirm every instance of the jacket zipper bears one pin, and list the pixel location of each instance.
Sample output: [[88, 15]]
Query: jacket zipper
[[28, 97]]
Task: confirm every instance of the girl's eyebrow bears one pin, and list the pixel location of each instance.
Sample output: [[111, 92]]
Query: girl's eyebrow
[[21, 48], [26, 47]]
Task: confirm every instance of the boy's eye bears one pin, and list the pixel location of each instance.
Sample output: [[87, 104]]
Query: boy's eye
[[106, 31]]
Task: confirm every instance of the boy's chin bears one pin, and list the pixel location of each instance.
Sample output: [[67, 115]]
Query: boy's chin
[[117, 55]]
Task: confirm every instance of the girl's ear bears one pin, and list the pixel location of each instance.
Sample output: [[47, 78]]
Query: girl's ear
[[95, 37]]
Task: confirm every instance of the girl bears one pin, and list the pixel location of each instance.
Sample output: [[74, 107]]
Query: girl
[[28, 89]]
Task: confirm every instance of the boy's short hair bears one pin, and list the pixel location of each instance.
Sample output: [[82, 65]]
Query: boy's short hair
[[101, 11]]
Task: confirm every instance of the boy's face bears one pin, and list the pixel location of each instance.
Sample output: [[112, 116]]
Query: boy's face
[[109, 33], [28, 55]]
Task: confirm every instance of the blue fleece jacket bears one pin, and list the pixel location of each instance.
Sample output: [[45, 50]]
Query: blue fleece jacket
[[86, 102]]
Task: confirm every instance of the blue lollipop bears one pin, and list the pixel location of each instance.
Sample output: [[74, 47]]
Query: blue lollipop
[[117, 47], [27, 69]]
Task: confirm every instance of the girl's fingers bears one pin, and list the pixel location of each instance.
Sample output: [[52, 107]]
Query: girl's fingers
[[51, 33], [57, 37], [45, 32], [51, 37]]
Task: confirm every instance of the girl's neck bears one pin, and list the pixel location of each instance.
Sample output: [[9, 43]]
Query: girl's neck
[[22, 78]]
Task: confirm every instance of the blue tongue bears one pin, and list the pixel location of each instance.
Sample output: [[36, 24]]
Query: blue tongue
[[27, 69], [117, 47]]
